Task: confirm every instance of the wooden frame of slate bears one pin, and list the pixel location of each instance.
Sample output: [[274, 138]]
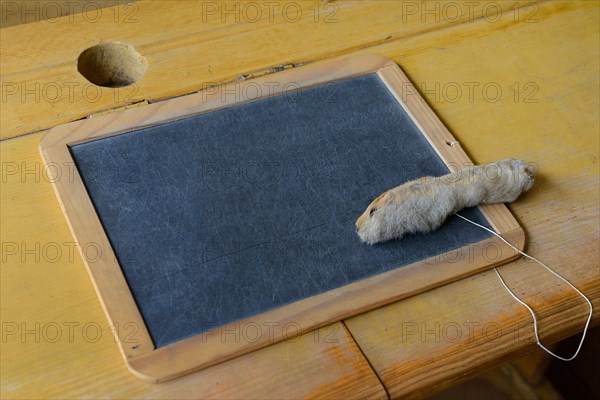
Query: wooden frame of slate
[[200, 351]]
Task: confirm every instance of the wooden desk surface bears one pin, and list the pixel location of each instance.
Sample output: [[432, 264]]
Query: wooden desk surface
[[521, 83]]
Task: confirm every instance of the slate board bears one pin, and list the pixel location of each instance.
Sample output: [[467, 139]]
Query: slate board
[[224, 215]]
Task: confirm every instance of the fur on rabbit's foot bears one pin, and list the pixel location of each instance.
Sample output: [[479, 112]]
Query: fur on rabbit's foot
[[424, 204]]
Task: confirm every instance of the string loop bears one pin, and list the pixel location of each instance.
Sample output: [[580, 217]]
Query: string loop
[[535, 324]]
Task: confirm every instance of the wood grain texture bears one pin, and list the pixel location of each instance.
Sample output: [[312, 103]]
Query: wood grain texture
[[558, 52], [199, 44], [27, 12], [413, 344], [201, 351]]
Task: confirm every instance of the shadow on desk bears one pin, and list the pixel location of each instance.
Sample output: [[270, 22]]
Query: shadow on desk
[[539, 376]]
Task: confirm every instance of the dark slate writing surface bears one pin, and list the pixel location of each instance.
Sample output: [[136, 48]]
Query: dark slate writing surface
[[225, 215]]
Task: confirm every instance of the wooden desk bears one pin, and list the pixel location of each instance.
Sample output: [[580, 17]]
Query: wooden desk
[[523, 83]]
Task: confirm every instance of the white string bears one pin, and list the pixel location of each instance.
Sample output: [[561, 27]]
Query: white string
[[535, 324]]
